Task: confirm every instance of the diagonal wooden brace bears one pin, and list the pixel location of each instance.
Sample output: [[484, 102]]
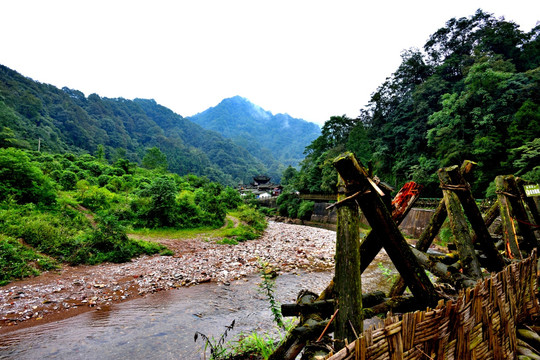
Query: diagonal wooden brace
[[355, 178]]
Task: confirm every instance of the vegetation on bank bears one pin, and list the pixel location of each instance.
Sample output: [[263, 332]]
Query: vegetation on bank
[[472, 93], [63, 208]]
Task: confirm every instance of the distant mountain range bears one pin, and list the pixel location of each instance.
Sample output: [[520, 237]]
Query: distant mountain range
[[65, 120], [276, 140]]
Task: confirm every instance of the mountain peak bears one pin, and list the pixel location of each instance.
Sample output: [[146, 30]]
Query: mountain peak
[[276, 137]]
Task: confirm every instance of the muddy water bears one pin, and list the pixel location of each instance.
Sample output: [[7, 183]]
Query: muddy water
[[162, 325]]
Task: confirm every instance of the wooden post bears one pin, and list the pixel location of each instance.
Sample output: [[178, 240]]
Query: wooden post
[[348, 276], [509, 225], [432, 229], [460, 229], [373, 208], [482, 236]]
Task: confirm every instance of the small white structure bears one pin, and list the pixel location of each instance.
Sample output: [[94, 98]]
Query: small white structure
[[264, 195]]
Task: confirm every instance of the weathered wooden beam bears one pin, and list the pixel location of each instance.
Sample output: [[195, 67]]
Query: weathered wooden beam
[[371, 245], [482, 236], [432, 229], [490, 215], [309, 328], [520, 215], [509, 225], [326, 307], [378, 216], [348, 276], [459, 226]]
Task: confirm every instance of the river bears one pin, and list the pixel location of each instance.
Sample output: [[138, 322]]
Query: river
[[162, 325]]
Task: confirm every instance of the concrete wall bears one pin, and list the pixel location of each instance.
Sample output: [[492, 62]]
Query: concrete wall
[[412, 225]]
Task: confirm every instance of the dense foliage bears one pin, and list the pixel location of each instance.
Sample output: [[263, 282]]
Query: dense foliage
[[276, 140], [35, 115], [77, 209], [472, 93]]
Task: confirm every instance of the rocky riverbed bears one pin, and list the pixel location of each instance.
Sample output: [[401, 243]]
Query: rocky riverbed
[[66, 292]]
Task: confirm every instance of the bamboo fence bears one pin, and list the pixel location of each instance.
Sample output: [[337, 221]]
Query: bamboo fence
[[479, 324]]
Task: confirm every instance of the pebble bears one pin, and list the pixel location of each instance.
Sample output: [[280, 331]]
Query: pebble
[[286, 247]]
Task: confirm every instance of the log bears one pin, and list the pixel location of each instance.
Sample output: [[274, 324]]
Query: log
[[326, 307], [482, 237], [509, 226], [309, 328], [490, 216], [371, 245], [378, 216], [432, 229], [348, 276], [442, 271], [520, 215], [459, 227], [398, 304]]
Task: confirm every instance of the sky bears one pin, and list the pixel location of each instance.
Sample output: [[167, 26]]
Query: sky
[[309, 59]]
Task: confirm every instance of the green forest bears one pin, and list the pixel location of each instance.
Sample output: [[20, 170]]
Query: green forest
[[79, 209], [35, 115], [472, 92]]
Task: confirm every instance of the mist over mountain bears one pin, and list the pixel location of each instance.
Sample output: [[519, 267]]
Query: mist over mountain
[[276, 140]]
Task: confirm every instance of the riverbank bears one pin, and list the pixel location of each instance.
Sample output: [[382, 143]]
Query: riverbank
[[63, 293]]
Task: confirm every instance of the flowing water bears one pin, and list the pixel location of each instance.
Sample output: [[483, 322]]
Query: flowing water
[[162, 325]]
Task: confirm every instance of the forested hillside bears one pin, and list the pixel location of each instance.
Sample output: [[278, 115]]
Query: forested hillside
[[277, 140], [473, 92], [35, 115]]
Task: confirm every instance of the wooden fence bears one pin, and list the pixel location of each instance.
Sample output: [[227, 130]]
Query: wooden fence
[[479, 324]]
